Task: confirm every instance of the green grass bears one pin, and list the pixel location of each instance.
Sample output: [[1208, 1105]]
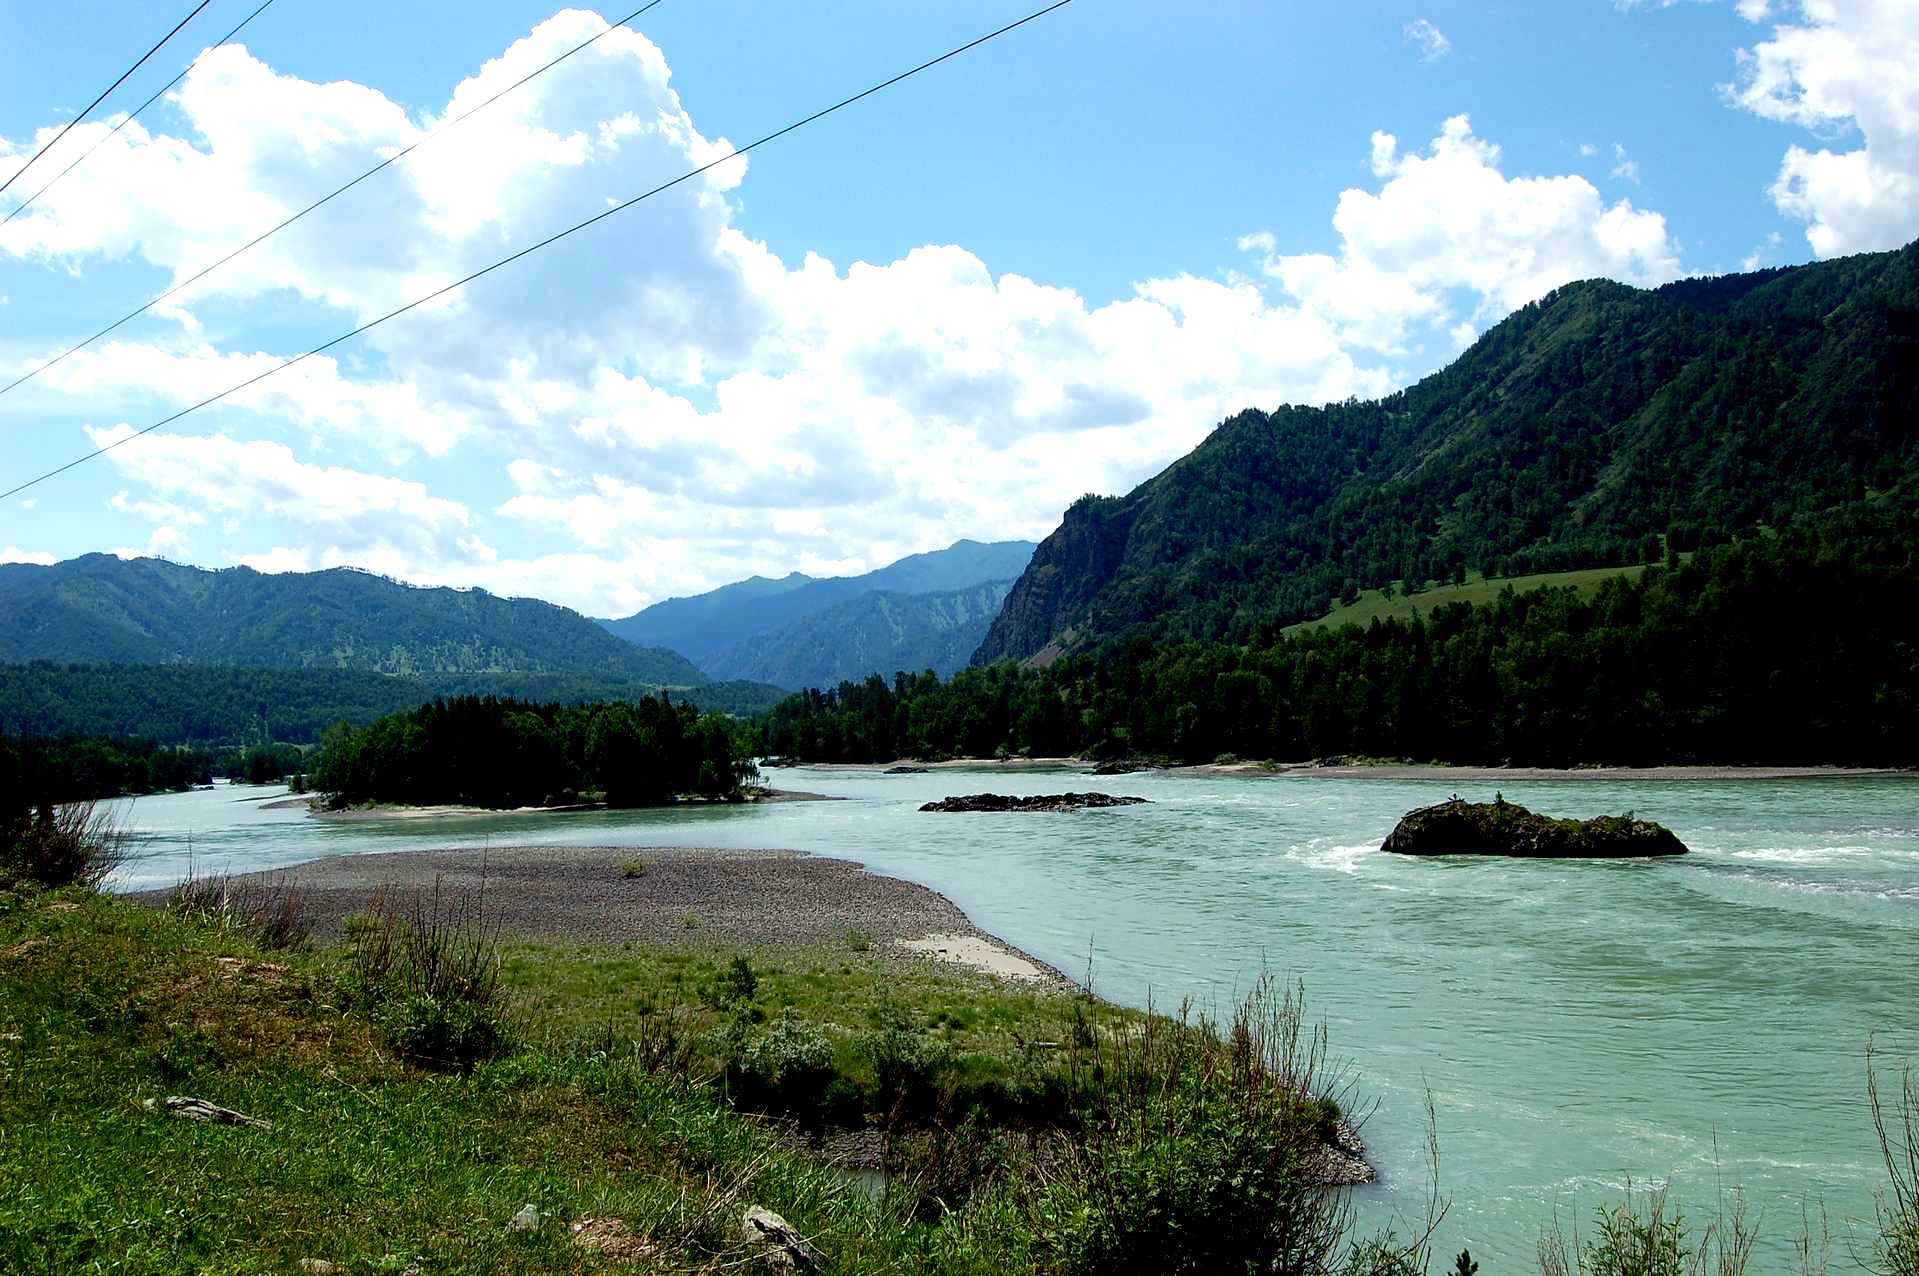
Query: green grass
[[377, 1165], [1374, 605], [370, 1164]]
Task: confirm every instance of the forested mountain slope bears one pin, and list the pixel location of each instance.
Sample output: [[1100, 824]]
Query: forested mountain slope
[[101, 609], [867, 634], [1601, 425], [222, 705], [731, 628]]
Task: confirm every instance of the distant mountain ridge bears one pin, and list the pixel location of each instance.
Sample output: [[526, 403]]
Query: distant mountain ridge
[[804, 627], [882, 632], [102, 609], [1598, 426]]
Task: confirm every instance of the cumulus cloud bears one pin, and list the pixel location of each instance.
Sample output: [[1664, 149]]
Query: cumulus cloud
[[1447, 225], [1843, 71], [662, 404], [14, 554], [1429, 39], [1625, 168]]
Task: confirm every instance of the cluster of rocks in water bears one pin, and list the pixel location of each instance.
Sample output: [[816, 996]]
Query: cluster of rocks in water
[[1039, 802], [1500, 827]]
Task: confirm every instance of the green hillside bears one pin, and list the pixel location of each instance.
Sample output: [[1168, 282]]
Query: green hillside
[[220, 705], [1590, 429], [101, 609], [1392, 602]]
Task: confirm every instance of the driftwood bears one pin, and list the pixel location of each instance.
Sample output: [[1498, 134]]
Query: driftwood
[[780, 1243], [200, 1110]]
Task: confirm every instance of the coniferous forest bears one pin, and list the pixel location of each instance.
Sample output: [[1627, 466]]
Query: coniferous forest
[[1789, 648], [499, 754]]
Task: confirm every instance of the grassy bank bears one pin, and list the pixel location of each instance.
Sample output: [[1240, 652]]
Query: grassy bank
[[645, 1099], [436, 1102]]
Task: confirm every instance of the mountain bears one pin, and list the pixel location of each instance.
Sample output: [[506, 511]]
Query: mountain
[[1601, 425], [101, 609], [220, 704], [881, 632], [726, 628]]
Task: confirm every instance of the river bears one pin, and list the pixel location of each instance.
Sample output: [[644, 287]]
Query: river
[[1702, 1020]]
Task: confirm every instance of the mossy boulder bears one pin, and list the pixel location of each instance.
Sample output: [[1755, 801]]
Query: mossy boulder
[[1500, 827]]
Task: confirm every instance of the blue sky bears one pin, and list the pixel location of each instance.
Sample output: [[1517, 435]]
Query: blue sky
[[1046, 268]]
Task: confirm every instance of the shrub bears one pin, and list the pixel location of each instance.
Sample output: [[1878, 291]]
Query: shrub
[[786, 1065], [733, 986], [1198, 1156], [906, 1069], [430, 972], [76, 843]]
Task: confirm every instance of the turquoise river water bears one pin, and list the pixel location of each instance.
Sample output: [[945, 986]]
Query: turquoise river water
[[1701, 1020]]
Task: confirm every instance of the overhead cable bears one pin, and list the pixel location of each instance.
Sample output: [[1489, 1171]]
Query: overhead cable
[[134, 114], [103, 96], [439, 130], [530, 249]]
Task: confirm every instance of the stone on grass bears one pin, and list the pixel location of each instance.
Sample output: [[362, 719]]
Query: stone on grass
[[779, 1242], [526, 1220], [200, 1110]]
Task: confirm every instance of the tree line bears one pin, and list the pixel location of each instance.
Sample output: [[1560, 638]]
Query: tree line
[[502, 753], [216, 705], [1783, 648], [74, 768]]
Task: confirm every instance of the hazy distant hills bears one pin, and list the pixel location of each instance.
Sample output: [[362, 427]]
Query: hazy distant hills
[[881, 632], [101, 609], [1601, 425], [926, 611]]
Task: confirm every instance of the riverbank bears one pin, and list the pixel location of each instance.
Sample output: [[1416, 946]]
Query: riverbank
[[1340, 770], [398, 811], [679, 896]]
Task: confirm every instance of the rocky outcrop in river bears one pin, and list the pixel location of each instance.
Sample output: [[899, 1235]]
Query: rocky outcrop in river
[[1500, 827], [1040, 802]]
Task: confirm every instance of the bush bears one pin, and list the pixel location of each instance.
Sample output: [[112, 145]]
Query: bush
[[77, 843], [455, 1033], [906, 1069], [430, 973], [786, 1065], [737, 985], [1199, 1155]]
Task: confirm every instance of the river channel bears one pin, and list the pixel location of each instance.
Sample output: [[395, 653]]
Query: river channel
[[1701, 1020]]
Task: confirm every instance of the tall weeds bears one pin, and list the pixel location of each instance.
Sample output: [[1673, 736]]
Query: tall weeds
[[1895, 1119], [270, 909], [74, 843], [429, 966], [1200, 1155]]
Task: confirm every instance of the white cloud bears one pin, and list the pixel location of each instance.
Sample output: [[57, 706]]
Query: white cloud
[[14, 554], [1757, 258], [1624, 168], [662, 404], [1449, 222], [1587, 150], [219, 475], [1432, 42], [1844, 69]]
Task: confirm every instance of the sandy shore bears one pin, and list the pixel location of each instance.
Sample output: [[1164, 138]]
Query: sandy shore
[[366, 814], [680, 897]]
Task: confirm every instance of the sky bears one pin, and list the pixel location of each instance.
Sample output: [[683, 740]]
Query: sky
[[1046, 268]]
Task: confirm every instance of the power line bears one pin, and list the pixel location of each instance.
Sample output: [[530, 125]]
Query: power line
[[530, 249], [134, 114], [444, 127], [103, 96]]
